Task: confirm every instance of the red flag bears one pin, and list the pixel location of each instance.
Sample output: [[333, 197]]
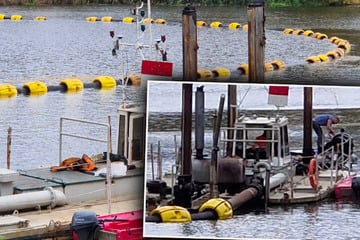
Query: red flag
[[278, 95]]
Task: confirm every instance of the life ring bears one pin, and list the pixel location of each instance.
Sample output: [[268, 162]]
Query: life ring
[[313, 174]]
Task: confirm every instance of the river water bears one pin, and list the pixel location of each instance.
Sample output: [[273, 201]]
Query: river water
[[65, 45]]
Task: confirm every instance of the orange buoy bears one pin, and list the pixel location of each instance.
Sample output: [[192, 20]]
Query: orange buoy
[[313, 174]]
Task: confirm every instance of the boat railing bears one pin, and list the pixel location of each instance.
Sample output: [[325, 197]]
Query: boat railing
[[274, 139], [63, 133]]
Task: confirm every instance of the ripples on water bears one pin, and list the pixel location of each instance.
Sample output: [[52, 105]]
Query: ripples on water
[[331, 221]]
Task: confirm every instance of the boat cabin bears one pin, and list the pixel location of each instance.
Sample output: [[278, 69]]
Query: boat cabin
[[258, 138], [131, 134]]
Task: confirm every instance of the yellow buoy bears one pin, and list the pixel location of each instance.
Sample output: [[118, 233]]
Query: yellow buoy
[[36, 87], [148, 20], [172, 214], [128, 20], [323, 58], [134, 79], [106, 19], [106, 82], [288, 31], [340, 52], [278, 65], [216, 24], [222, 208], [332, 54], [221, 73], [268, 67], [244, 68], [91, 19], [2, 16], [313, 59], [308, 33], [72, 84], [344, 45], [234, 25], [334, 39], [40, 18], [16, 17], [298, 32], [245, 27], [321, 36], [160, 21], [204, 74], [200, 23], [7, 90]]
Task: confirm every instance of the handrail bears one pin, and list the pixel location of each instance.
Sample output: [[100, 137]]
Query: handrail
[[107, 140]]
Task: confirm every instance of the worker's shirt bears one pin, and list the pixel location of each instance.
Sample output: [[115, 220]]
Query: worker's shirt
[[323, 118]]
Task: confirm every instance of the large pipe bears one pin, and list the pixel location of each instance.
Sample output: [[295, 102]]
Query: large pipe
[[199, 122], [46, 198]]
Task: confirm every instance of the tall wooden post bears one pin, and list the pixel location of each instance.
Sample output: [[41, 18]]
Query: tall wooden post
[[256, 41], [190, 47], [307, 141]]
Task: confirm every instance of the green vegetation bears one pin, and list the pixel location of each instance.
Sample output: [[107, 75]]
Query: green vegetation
[[269, 3]]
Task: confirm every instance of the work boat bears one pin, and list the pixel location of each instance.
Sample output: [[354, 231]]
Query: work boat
[[40, 202], [251, 163]]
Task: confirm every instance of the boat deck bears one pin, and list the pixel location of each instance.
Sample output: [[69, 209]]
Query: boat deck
[[78, 186], [302, 190]]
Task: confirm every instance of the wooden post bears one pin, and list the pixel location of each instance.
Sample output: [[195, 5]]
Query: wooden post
[[190, 46], [186, 129], [307, 141], [8, 148], [256, 41]]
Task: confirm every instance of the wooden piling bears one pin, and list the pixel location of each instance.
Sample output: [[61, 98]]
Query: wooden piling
[[307, 140], [190, 45], [8, 148], [256, 41]]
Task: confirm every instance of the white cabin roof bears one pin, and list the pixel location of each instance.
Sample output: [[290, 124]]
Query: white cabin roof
[[263, 121]]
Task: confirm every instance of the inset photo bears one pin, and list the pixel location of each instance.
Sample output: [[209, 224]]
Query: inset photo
[[250, 161]]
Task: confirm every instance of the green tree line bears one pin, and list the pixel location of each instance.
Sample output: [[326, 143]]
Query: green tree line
[[268, 3]]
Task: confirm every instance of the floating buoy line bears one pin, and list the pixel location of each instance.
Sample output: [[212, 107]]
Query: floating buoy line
[[342, 46], [69, 85]]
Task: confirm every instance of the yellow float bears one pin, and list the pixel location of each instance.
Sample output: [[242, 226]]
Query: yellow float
[[234, 25], [36, 87], [72, 84], [160, 21], [40, 18], [128, 20], [105, 82], [91, 19], [216, 24], [200, 23], [221, 73], [106, 19], [172, 214], [222, 208], [7, 90], [16, 17], [244, 68], [204, 74]]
